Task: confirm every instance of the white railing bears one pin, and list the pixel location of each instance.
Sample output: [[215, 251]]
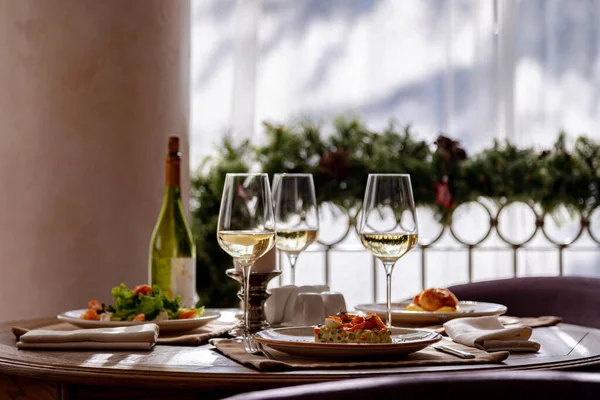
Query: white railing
[[483, 241]]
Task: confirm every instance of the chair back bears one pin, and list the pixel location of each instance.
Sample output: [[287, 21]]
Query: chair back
[[575, 299], [489, 385]]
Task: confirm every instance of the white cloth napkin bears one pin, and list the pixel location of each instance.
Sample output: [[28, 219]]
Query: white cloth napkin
[[488, 333], [136, 337]]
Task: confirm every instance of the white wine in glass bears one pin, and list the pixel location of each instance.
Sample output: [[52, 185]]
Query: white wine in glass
[[246, 246], [388, 224], [389, 247], [296, 215], [246, 229], [294, 241]]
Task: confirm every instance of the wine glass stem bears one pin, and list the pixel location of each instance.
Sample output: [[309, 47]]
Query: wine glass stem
[[389, 266], [246, 272], [293, 258]]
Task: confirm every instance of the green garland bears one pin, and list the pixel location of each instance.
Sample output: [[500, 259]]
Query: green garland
[[340, 163]]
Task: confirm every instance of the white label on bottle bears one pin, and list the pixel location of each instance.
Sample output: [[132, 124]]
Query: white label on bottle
[[183, 280]]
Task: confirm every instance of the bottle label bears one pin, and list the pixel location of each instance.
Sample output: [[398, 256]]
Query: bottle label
[[183, 280]]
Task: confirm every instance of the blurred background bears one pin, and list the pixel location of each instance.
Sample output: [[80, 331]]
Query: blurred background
[[476, 70]]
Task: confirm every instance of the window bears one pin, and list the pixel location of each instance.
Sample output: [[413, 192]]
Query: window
[[473, 69]]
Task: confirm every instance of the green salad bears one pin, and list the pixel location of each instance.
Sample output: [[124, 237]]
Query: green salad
[[143, 303]]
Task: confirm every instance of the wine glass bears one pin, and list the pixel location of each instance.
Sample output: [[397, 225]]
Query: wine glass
[[388, 225], [296, 215], [246, 229]]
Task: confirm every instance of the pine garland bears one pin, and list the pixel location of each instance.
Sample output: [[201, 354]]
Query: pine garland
[[443, 177]]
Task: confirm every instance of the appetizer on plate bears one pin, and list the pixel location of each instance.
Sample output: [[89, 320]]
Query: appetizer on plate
[[434, 299], [351, 328], [143, 303]]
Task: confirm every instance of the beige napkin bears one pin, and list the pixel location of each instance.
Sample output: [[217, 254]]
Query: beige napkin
[[488, 333], [137, 337], [279, 361], [195, 337]]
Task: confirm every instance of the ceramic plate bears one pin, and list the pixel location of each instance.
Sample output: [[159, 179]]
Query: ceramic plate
[[74, 318], [300, 341], [401, 315]]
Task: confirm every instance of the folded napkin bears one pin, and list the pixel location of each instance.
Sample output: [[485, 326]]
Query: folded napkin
[[136, 337], [195, 337], [488, 333]]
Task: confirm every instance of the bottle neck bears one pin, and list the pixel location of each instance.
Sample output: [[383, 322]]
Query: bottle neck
[[172, 195], [173, 172]]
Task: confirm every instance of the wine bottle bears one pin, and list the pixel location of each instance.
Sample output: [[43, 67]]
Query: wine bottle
[[172, 264]]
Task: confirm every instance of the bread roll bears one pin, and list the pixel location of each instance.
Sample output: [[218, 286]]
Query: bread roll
[[435, 298]]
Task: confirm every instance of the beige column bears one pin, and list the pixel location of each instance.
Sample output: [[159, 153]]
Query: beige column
[[89, 92]]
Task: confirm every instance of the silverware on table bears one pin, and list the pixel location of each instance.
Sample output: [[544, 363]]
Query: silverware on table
[[454, 352], [265, 351], [253, 347], [414, 336]]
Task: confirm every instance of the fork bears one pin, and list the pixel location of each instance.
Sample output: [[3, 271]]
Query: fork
[[249, 343], [253, 347]]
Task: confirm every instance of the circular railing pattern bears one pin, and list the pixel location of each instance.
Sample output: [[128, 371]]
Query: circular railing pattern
[[492, 222], [593, 220], [534, 223], [483, 219]]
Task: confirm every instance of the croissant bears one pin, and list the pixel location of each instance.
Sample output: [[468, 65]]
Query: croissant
[[433, 299]]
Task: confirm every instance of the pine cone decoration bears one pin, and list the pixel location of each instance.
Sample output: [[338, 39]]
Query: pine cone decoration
[[450, 149], [334, 164]]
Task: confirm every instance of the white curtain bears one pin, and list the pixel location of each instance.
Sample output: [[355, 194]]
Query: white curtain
[[473, 69]]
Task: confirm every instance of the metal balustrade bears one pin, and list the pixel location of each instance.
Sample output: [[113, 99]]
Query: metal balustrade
[[587, 225]]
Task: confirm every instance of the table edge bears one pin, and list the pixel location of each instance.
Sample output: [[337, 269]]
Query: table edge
[[197, 379]]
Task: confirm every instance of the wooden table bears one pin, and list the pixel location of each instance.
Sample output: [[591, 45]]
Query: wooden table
[[200, 372]]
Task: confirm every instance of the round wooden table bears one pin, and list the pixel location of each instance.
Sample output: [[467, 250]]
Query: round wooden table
[[200, 372]]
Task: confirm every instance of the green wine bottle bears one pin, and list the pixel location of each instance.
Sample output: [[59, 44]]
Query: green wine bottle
[[172, 264]]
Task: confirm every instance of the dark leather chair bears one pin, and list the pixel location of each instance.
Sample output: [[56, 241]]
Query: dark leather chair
[[575, 299], [488, 385]]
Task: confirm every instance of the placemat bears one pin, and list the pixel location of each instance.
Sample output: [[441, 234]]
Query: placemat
[[194, 337], [234, 349], [533, 322]]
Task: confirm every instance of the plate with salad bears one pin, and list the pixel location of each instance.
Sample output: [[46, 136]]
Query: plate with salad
[[140, 305]]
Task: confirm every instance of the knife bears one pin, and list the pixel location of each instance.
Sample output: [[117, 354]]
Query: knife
[[454, 352]]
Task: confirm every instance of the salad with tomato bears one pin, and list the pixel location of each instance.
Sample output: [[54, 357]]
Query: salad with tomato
[[143, 303]]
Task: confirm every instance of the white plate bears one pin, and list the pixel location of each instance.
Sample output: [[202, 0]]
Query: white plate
[[300, 341], [74, 318], [401, 315]]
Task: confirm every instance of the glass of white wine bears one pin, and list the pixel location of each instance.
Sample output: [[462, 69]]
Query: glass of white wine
[[246, 229], [388, 224], [296, 215]]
